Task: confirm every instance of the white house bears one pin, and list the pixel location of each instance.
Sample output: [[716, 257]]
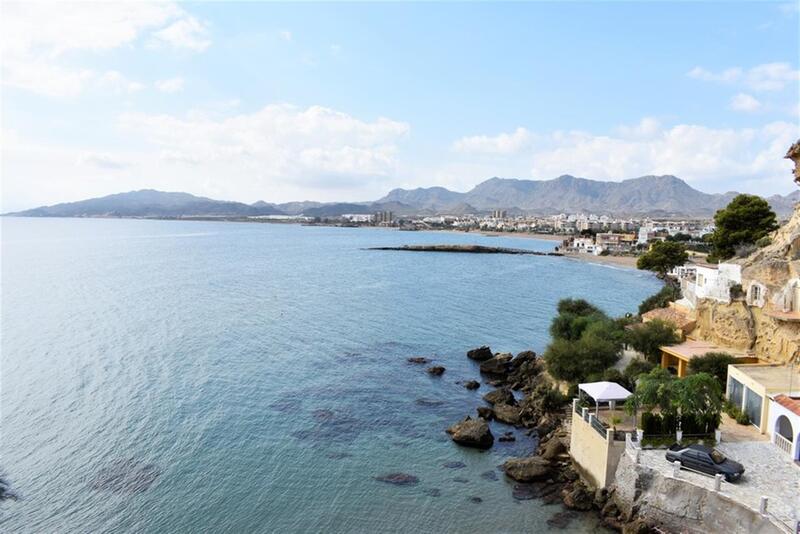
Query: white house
[[713, 283], [784, 424]]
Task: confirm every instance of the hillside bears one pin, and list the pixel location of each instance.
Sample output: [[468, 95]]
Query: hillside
[[657, 196], [664, 195], [150, 203]]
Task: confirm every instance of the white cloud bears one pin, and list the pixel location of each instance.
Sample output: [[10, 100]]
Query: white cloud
[[102, 160], [504, 143], [171, 85], [280, 141], [286, 35], [711, 159], [41, 41], [745, 102], [118, 83], [771, 76], [765, 77], [188, 32], [728, 75]]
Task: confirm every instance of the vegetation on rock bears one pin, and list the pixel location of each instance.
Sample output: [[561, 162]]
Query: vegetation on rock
[[662, 257], [647, 338], [745, 221]]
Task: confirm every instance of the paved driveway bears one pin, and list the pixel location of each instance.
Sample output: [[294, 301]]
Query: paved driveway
[[768, 472]]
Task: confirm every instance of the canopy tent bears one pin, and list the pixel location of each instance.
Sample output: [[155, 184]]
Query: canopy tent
[[609, 392]]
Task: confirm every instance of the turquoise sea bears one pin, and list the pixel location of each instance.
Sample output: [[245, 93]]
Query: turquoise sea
[[165, 376]]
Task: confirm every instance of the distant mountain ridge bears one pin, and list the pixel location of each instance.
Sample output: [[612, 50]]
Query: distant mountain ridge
[[663, 195], [647, 195]]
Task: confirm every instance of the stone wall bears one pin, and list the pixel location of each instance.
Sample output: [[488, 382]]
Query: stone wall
[[680, 506]]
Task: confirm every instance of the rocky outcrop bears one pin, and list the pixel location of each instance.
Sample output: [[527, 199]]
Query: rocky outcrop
[[418, 360], [436, 370], [472, 433], [511, 415], [794, 155], [528, 469], [497, 365], [481, 354], [500, 396], [471, 384]]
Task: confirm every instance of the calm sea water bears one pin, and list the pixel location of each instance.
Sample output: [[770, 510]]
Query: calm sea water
[[163, 376]]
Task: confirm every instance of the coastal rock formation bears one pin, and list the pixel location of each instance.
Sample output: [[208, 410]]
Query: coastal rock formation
[[472, 433], [794, 154], [484, 412], [418, 359], [528, 469], [500, 396], [436, 370], [553, 449], [507, 414], [472, 384], [481, 354], [498, 365]]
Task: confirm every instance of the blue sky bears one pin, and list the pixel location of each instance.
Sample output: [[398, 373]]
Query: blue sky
[[250, 101]]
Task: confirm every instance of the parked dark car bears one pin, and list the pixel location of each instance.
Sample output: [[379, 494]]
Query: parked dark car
[[706, 460]]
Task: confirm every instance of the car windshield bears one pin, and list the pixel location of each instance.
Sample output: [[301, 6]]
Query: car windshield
[[717, 456]]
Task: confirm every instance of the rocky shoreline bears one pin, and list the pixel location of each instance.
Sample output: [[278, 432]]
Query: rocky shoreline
[[548, 473]]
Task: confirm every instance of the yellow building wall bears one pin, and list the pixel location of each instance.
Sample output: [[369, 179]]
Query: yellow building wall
[[597, 457]]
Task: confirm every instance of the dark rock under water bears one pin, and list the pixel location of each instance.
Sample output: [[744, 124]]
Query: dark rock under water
[[125, 476]]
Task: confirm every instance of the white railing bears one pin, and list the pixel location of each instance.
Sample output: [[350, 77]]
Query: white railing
[[632, 448], [783, 444]]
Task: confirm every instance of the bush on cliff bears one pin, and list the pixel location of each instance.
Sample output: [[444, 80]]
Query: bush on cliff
[[662, 257], [574, 316], [746, 220], [596, 349], [667, 294], [647, 338]]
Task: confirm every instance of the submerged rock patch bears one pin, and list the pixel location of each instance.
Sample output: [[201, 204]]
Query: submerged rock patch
[[125, 476], [398, 479]]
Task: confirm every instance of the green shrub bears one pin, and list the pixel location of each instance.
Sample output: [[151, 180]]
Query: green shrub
[[742, 418], [667, 294], [764, 242], [647, 338], [636, 368], [714, 363]]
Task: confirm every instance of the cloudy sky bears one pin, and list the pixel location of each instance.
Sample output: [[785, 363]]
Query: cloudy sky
[[283, 102]]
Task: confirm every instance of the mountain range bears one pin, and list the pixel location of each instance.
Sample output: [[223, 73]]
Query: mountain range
[[648, 195]]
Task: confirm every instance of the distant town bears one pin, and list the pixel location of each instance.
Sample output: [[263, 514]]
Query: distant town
[[582, 233]]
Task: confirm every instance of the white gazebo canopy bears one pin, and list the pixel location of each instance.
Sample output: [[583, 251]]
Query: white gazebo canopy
[[605, 391]]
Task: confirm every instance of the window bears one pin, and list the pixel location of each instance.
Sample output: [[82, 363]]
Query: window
[[735, 392], [755, 293], [752, 406]]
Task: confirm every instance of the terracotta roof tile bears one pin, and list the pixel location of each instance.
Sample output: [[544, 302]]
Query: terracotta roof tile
[[793, 405]]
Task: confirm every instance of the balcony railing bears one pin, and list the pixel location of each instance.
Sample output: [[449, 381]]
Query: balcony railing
[[783, 444]]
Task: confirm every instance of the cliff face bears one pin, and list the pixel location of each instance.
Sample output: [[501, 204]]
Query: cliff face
[[770, 324]]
